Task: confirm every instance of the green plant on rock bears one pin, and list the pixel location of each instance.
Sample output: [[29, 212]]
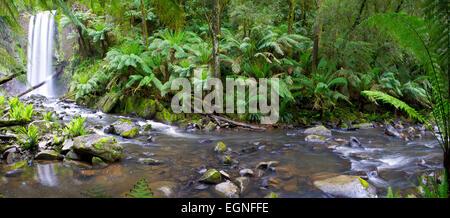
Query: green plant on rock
[[18, 110], [49, 116], [31, 140], [432, 187], [140, 190], [76, 127]]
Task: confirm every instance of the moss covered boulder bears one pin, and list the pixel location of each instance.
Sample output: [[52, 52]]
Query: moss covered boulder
[[146, 109], [220, 147], [166, 116], [48, 155], [211, 176], [315, 139], [318, 130], [126, 128], [106, 148], [346, 186], [43, 126], [108, 102]]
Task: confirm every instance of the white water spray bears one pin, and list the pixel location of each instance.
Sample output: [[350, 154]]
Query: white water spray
[[41, 35]]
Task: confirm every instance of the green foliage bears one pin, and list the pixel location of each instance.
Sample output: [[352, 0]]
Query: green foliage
[[49, 116], [431, 187], [76, 127], [31, 137], [140, 190], [390, 194], [20, 111]]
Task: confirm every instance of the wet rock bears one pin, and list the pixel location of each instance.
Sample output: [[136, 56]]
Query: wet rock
[[14, 173], [212, 176], [72, 156], [391, 131], [227, 189], [225, 175], [249, 149], [210, 127], [268, 164], [98, 162], [246, 172], [126, 128], [220, 147], [362, 126], [146, 108], [12, 157], [149, 161], [346, 186], [163, 189], [67, 146], [354, 142], [318, 130], [48, 155], [76, 164], [106, 148], [108, 102], [43, 126], [109, 130], [315, 139], [242, 183], [227, 160], [271, 195]]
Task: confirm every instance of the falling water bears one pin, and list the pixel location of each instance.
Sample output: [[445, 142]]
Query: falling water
[[41, 34]]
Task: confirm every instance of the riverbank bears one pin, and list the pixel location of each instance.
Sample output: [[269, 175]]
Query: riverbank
[[293, 162]]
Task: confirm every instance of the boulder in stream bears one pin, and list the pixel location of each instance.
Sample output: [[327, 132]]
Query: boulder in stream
[[48, 155], [315, 139], [106, 148], [318, 130], [107, 102], [227, 189], [346, 186], [211, 176], [126, 128]]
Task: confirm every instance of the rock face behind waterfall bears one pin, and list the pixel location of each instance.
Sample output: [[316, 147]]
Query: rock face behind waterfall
[[106, 148]]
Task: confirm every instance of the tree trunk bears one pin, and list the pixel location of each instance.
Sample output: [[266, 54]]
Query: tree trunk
[[144, 22], [215, 39], [290, 16], [317, 36], [10, 77], [447, 165]]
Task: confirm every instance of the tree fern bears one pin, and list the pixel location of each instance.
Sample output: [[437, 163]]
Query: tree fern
[[396, 103]]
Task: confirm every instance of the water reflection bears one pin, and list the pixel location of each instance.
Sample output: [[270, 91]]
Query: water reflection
[[46, 174]]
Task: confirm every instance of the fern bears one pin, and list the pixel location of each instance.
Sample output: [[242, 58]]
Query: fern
[[396, 103], [140, 190]]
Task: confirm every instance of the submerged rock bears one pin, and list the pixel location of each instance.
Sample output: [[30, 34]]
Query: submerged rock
[[126, 128], [315, 139], [268, 164], [362, 126], [98, 162], [212, 176], [227, 189], [391, 131], [227, 160], [346, 186], [149, 161], [106, 148], [242, 182], [246, 172], [318, 130], [76, 164], [163, 189]]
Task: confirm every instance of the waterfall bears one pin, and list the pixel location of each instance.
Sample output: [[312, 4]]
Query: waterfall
[[41, 36]]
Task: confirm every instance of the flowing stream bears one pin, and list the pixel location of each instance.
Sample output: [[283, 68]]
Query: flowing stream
[[385, 160]]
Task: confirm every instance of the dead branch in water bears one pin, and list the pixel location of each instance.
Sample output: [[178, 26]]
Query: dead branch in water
[[237, 123]]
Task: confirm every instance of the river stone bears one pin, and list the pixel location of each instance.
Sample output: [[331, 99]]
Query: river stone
[[268, 164], [227, 160], [163, 189], [48, 155], [315, 139], [105, 147], [72, 156], [149, 161], [67, 145], [346, 186], [362, 126], [246, 172], [391, 131], [126, 128], [107, 102], [354, 142], [210, 127], [242, 182], [98, 162], [146, 109], [212, 176], [220, 147], [271, 195], [76, 164], [227, 189], [318, 130], [43, 126]]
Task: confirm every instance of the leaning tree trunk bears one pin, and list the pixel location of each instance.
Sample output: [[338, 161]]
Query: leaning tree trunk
[[317, 36], [215, 38], [144, 22]]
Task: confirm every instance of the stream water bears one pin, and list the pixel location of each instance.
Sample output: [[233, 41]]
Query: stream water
[[386, 161]]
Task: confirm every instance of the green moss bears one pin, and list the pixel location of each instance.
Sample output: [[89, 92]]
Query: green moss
[[220, 147], [363, 182], [271, 195], [96, 161], [211, 176], [131, 133]]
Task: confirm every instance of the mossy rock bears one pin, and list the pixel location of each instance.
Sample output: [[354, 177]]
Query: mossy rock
[[271, 195], [48, 155], [220, 147], [43, 126], [212, 176], [106, 148], [98, 162], [227, 160], [146, 109], [166, 117], [108, 102], [126, 128]]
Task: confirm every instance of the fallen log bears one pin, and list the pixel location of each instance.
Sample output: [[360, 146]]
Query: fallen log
[[6, 79], [237, 123], [57, 72], [66, 98], [9, 123]]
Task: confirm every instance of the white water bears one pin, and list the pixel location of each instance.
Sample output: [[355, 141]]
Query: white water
[[41, 36]]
